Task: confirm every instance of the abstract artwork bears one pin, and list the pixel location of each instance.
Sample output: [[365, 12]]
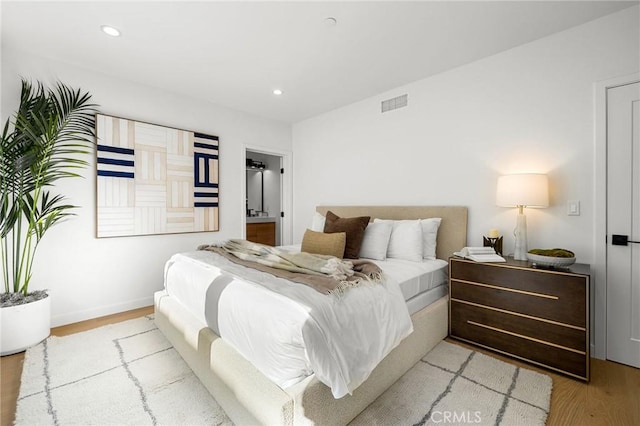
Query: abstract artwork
[[154, 180]]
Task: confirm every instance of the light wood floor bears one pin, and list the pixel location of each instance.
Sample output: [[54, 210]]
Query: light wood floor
[[611, 398]]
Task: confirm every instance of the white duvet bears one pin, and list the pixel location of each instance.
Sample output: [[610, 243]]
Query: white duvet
[[288, 330]]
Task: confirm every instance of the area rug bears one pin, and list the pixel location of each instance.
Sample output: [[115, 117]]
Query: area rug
[[128, 374]]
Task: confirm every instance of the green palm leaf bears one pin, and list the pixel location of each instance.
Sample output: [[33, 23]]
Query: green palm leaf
[[46, 140]]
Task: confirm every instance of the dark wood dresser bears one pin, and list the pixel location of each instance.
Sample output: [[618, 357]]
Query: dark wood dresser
[[537, 315]]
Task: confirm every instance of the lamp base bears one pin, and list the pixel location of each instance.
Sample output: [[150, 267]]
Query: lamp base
[[520, 252]]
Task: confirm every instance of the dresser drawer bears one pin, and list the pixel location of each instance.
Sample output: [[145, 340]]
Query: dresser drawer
[[548, 295], [572, 339], [563, 309], [469, 327]]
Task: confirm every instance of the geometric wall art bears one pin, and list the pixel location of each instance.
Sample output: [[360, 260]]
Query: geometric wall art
[[154, 180]]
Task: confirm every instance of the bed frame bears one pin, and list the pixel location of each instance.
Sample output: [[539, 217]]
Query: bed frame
[[249, 398]]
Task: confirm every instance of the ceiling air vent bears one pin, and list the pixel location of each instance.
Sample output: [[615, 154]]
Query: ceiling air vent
[[394, 103]]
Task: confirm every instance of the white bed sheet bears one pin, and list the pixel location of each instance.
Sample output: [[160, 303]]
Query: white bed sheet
[[290, 331], [415, 277]]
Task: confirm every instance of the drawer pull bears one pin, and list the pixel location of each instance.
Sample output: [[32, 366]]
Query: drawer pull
[[562, 324], [513, 290], [544, 342]]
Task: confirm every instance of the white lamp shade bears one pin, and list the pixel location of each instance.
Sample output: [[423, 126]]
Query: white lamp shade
[[525, 189]]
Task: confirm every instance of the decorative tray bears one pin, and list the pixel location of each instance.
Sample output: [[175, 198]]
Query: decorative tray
[[551, 261]]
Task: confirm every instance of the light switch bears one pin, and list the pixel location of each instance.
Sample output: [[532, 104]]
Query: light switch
[[573, 208]]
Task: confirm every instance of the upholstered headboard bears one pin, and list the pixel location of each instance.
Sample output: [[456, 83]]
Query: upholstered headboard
[[452, 234]]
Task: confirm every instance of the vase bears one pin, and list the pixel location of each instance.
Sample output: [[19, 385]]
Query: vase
[[23, 326]]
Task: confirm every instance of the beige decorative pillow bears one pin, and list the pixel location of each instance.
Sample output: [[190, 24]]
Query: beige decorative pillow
[[321, 243]]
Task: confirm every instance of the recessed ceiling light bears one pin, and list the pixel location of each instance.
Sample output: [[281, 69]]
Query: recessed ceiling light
[[277, 92], [109, 30], [330, 22]]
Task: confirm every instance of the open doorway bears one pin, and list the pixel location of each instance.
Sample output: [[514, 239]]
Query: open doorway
[[266, 197]]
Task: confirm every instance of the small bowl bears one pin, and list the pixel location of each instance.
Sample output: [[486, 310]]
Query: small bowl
[[550, 261]]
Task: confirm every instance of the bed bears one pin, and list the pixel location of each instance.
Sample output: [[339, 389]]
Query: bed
[[249, 397]]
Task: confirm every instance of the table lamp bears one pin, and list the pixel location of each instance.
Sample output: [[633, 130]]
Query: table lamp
[[522, 190]]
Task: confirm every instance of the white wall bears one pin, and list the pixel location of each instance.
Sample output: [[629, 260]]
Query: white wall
[[89, 277], [529, 109]]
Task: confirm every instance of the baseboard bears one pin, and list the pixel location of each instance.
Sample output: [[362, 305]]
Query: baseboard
[[77, 316], [594, 354]]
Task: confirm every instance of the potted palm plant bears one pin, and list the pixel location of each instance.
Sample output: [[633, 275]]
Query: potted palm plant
[[44, 141]]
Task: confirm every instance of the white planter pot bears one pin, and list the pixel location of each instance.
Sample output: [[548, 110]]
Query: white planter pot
[[23, 326]]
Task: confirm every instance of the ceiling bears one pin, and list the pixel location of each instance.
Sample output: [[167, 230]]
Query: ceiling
[[235, 54]]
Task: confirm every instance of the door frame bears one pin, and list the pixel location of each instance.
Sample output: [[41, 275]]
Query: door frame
[[286, 223], [599, 290]]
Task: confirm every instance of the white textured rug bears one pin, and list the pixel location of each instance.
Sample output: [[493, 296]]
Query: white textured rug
[[128, 374]]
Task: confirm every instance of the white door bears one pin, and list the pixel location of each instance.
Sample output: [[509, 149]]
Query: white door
[[623, 223]]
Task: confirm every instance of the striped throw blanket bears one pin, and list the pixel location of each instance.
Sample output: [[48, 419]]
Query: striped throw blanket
[[326, 274]]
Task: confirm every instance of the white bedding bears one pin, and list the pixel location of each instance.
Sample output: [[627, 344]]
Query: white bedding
[[290, 331], [415, 277]]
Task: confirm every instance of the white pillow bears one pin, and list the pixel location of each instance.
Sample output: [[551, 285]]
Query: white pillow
[[406, 240], [429, 237], [317, 223], [376, 240]]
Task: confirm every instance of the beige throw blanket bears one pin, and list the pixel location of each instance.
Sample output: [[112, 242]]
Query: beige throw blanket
[[326, 274]]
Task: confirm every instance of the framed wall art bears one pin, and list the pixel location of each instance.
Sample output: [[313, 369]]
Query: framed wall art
[[154, 180]]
